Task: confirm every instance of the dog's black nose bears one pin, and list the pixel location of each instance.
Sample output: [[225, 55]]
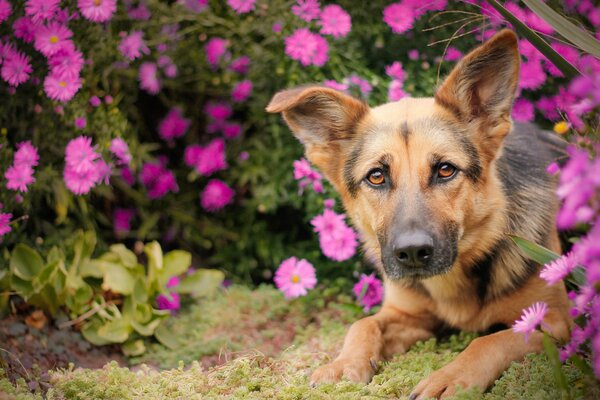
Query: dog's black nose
[[413, 249]]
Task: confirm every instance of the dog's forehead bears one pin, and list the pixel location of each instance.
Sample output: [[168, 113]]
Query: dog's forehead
[[405, 110]]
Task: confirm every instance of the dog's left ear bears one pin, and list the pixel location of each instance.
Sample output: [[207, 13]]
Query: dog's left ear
[[481, 88]]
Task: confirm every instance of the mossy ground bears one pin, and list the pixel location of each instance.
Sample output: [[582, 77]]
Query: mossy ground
[[267, 348]]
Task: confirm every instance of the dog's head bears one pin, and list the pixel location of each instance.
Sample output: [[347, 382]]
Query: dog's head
[[414, 175]]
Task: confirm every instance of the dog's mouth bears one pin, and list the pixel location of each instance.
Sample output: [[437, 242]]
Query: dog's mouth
[[395, 272]]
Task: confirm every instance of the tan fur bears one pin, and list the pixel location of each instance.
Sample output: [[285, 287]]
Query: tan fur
[[471, 108]]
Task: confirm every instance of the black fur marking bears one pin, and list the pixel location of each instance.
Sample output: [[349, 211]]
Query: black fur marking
[[404, 131], [482, 272], [450, 106], [473, 171], [351, 183]]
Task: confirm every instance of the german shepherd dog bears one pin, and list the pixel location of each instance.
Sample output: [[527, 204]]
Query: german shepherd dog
[[434, 185]]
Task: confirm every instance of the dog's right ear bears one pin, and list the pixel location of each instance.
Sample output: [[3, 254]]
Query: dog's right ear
[[321, 118]]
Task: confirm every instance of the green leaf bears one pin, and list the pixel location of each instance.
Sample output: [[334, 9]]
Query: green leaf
[[565, 28], [84, 245], [127, 257], [146, 329], [133, 348], [202, 282], [91, 268], [25, 262], [559, 61], [90, 333], [139, 295], [534, 251], [559, 375], [115, 331], [22, 287], [175, 263], [154, 254], [117, 278], [166, 336]]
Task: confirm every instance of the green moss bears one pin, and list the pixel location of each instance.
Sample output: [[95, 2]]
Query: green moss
[[18, 391]]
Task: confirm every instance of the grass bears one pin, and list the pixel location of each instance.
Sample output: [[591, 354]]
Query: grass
[[283, 342]]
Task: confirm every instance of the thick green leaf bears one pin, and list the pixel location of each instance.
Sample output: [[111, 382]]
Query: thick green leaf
[[127, 257], [166, 336], [115, 331], [146, 329], [565, 28], [25, 262], [133, 348], [175, 263], [91, 268], [202, 282], [90, 333], [534, 251], [139, 295], [83, 246], [117, 278], [22, 287], [559, 61]]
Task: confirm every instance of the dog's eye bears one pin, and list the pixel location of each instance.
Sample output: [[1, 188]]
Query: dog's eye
[[445, 170], [376, 177]]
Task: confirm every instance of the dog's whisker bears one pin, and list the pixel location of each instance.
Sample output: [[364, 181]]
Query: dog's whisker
[[451, 23]]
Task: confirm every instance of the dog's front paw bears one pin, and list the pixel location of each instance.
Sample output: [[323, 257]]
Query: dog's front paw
[[356, 370], [444, 383]]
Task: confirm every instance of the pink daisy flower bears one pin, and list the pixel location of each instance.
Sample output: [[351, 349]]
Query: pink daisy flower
[[241, 91], [399, 17], [532, 318], [294, 277], [307, 47], [211, 158], [341, 245], [80, 122], [395, 71], [41, 10], [548, 107], [52, 38], [16, 68], [369, 291], [61, 88], [396, 91], [24, 28], [218, 111], [5, 10], [240, 65], [121, 150], [231, 130], [80, 155], [140, 13], [66, 63], [173, 125], [79, 182], [169, 301], [241, 6], [335, 21], [532, 75], [122, 220], [148, 76], [328, 223], [97, 10], [453, 54], [330, 83], [215, 49], [18, 177], [307, 9], [26, 154], [523, 110], [558, 269], [216, 195], [413, 54], [133, 45], [5, 223]]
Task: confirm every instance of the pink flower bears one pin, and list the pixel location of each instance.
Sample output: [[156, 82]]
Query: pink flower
[[337, 240], [80, 122], [173, 125], [127, 175], [532, 75], [399, 17], [5, 223], [453, 54], [395, 71], [342, 87], [231, 130], [95, 101], [413, 54], [294, 277], [216, 195], [67, 62], [80, 155], [532, 318], [241, 91], [538, 24], [18, 177], [335, 21], [169, 301], [148, 76], [16, 68], [363, 85], [206, 160], [5, 10], [277, 27], [240, 65], [61, 88], [52, 38], [558, 269], [122, 219], [307, 9], [140, 13], [307, 47], [396, 91], [26, 154], [97, 10], [306, 175], [548, 107], [523, 110], [121, 150], [215, 49], [368, 291], [241, 6], [133, 45], [569, 53], [24, 28], [40, 10], [218, 111], [329, 204], [158, 180], [195, 5]]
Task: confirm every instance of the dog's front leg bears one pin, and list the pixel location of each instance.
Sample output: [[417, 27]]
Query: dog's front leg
[[484, 360], [372, 339]]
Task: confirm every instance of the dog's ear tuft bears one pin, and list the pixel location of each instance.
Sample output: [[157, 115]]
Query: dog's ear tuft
[[482, 86], [318, 115]]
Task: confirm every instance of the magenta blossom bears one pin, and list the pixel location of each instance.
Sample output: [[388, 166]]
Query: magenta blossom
[[5, 223], [207, 160], [132, 46], [307, 47], [240, 65], [241, 6], [399, 17], [307, 176], [368, 291], [218, 111], [294, 277], [396, 90], [307, 9], [231, 130], [335, 21], [61, 88], [194, 5], [122, 219], [24, 28], [395, 71], [215, 49], [158, 180], [97, 10], [80, 155], [80, 122], [337, 240], [532, 318], [241, 91], [453, 54], [67, 63], [52, 38], [330, 83], [41, 10], [5, 10], [121, 150], [174, 125], [216, 195], [148, 76], [169, 301], [558, 269], [26, 154], [19, 177], [523, 110], [16, 68]]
